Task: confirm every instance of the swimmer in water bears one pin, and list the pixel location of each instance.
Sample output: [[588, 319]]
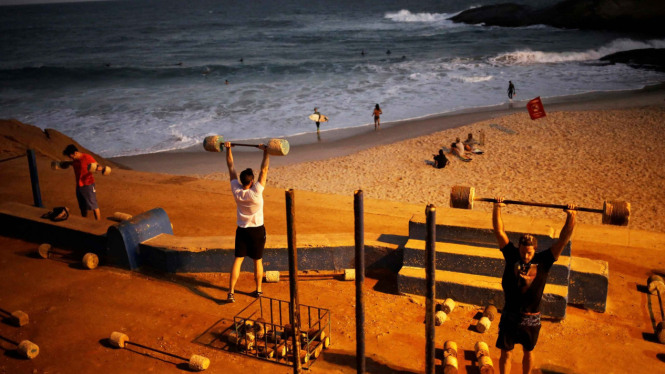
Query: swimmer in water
[[377, 114], [388, 52]]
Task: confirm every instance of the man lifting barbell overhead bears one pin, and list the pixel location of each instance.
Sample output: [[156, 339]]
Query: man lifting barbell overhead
[[86, 194], [250, 234], [523, 283]]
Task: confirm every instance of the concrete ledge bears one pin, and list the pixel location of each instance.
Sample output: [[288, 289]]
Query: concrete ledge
[[315, 252], [24, 222], [475, 260], [589, 281], [477, 289], [469, 227]]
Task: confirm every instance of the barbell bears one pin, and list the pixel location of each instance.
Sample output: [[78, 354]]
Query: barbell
[[276, 147], [656, 286], [90, 260], [196, 362], [615, 213]]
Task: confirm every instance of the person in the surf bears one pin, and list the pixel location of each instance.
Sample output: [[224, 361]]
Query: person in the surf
[[377, 117], [388, 52], [316, 111], [511, 90], [362, 52]]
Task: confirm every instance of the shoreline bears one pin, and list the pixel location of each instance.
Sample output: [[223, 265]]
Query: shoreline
[[342, 142]]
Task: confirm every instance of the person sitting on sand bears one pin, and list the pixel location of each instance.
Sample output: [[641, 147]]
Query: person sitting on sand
[[86, 194], [523, 283], [470, 143], [251, 233], [377, 114], [440, 160], [457, 148]]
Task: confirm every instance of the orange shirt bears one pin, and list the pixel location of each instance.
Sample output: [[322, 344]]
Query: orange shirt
[[83, 176]]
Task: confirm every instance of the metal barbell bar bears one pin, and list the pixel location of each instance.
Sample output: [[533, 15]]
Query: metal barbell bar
[[276, 147]]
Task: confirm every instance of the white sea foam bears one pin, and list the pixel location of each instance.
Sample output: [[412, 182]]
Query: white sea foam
[[537, 57], [471, 79], [406, 16]]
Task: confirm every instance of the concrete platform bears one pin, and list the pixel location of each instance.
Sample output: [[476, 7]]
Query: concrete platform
[[589, 282], [477, 289], [466, 226], [24, 222], [315, 252], [471, 259]]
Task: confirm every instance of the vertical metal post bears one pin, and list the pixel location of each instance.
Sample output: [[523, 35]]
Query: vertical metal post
[[294, 307], [359, 236], [34, 179], [430, 270]]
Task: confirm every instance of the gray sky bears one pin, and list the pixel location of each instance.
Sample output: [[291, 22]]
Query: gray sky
[[21, 2]]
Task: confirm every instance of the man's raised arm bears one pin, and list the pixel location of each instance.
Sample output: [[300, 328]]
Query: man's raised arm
[[566, 232], [497, 222], [263, 176], [229, 161]]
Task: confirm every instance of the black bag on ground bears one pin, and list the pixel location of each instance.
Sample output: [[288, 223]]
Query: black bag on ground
[[58, 214]]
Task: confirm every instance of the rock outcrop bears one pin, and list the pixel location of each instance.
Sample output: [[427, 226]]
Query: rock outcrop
[[649, 58], [644, 16]]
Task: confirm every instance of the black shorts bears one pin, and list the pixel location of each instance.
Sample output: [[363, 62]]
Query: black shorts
[[512, 332], [87, 197], [250, 241]]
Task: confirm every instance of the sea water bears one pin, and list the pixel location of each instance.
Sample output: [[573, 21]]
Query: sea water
[[132, 77]]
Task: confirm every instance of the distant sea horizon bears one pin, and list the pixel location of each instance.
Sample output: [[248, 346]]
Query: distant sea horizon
[[134, 77]]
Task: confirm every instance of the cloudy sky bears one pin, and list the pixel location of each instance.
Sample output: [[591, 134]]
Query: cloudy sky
[[19, 2]]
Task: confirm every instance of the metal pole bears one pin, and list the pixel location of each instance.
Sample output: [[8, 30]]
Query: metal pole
[[34, 179], [359, 224], [430, 270], [294, 307]]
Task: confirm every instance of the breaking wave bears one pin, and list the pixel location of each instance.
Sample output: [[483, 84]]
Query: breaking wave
[[406, 16]]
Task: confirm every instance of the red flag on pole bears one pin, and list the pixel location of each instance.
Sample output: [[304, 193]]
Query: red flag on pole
[[535, 108]]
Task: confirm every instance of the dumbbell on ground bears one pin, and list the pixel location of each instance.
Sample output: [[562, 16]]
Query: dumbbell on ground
[[90, 260], [274, 276], [196, 362], [615, 213], [656, 286], [490, 312], [449, 357], [483, 355], [94, 167], [18, 317], [25, 348], [485, 321], [275, 147]]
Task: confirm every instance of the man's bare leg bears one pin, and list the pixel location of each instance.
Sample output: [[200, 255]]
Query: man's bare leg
[[235, 273], [98, 215], [504, 361], [258, 273], [527, 362]]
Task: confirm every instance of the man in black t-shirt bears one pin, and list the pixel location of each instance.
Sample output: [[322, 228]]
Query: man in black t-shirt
[[523, 283]]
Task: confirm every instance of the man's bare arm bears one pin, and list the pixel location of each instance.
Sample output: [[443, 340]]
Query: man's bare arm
[[497, 222], [229, 161], [263, 176], [566, 232]]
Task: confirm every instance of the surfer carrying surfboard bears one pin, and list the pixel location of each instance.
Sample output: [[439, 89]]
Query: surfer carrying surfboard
[[318, 123], [377, 117]]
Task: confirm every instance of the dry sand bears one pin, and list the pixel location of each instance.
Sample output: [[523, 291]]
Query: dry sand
[[567, 157]]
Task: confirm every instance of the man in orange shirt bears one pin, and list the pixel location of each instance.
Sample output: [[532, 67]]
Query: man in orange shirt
[[85, 182]]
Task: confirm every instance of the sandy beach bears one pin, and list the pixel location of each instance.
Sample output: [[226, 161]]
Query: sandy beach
[[581, 157]]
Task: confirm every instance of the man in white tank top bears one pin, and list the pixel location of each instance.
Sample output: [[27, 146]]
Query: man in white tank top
[[250, 234]]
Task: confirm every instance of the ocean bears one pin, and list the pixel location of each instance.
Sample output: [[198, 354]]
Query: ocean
[[134, 77]]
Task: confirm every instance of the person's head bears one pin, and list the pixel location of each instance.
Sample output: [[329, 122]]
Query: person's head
[[528, 246], [377, 106], [247, 177], [457, 140], [72, 152], [440, 152], [511, 82], [315, 109], [470, 136]]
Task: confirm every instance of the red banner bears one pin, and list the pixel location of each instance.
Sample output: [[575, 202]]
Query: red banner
[[535, 108]]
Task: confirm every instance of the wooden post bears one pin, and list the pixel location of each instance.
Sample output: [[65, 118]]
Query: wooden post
[[358, 212], [430, 304], [34, 179], [294, 307]]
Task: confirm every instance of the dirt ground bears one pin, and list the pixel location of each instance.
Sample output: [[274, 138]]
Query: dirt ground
[[73, 311]]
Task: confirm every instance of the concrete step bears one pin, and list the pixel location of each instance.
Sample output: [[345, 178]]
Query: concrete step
[[471, 259], [477, 289], [469, 227], [589, 282]]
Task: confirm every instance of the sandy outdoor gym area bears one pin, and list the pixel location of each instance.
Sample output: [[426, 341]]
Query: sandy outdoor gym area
[[73, 311]]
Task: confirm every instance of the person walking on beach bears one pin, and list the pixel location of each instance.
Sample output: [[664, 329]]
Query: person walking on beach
[[511, 90], [316, 111], [86, 194], [523, 282], [251, 233], [377, 117]]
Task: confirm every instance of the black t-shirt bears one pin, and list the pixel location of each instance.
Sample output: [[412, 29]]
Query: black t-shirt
[[522, 284], [442, 161]]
